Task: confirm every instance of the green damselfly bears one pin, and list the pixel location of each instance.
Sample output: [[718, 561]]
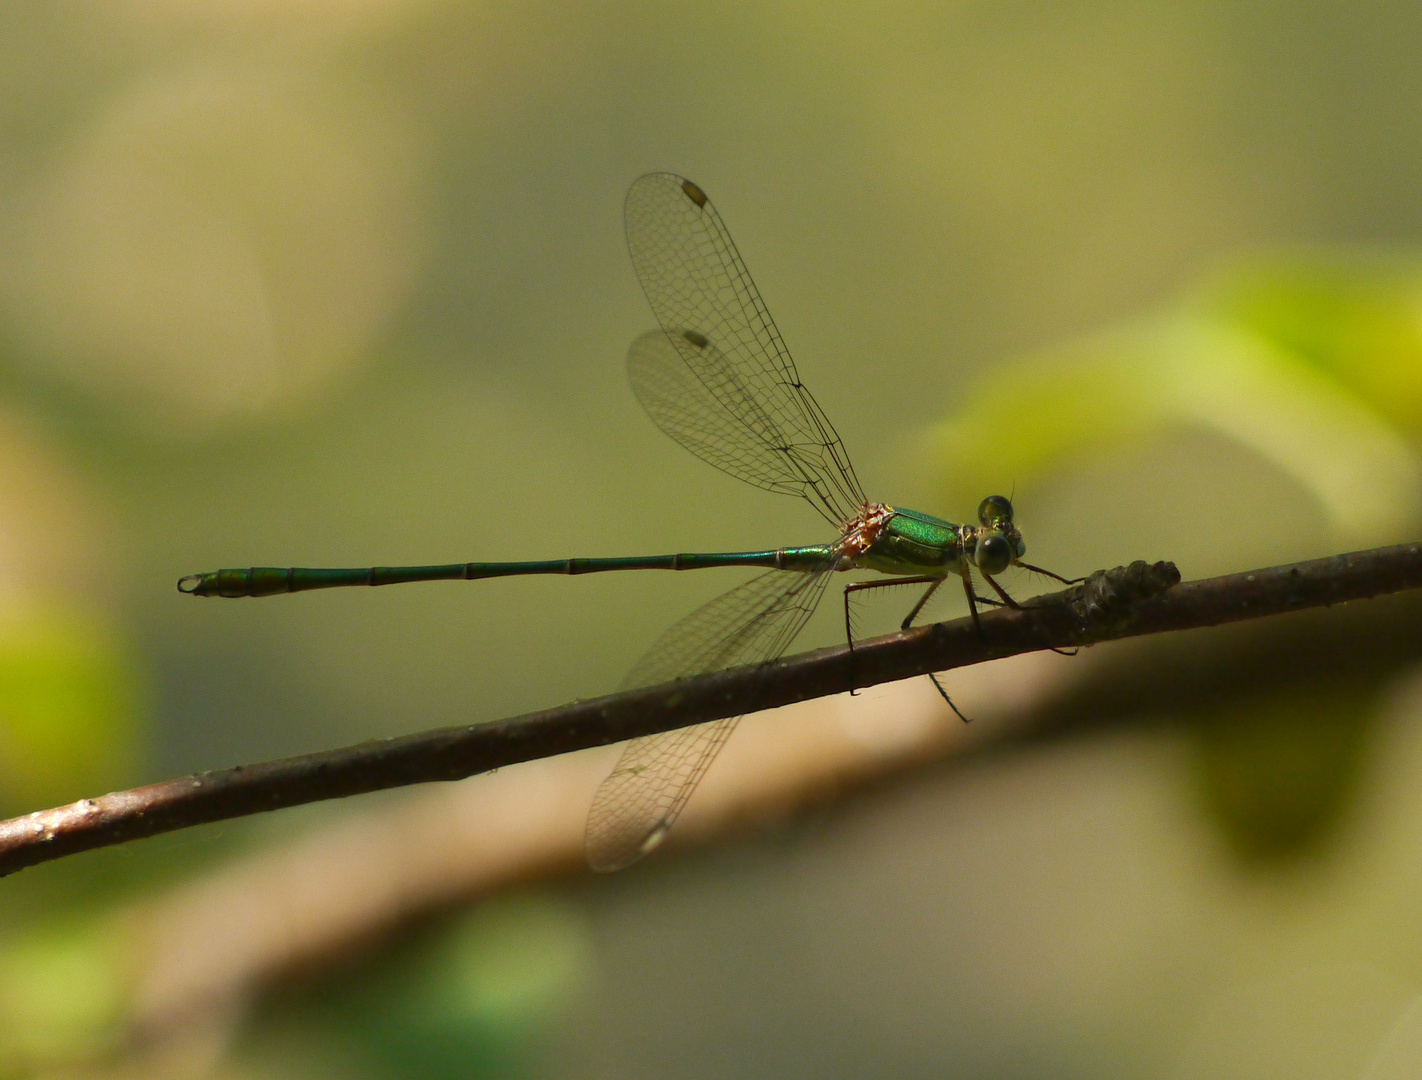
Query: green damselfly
[[719, 380]]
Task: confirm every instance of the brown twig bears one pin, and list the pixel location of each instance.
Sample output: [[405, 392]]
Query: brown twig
[[1125, 602]]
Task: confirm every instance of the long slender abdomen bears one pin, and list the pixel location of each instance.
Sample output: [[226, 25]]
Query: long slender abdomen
[[272, 580]]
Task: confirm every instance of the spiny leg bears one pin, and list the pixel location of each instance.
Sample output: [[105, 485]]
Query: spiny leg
[[944, 695], [1064, 581], [972, 599], [1014, 604], [973, 608], [886, 583], [1048, 573], [908, 621], [933, 679], [909, 618], [932, 583], [1002, 592], [859, 586]]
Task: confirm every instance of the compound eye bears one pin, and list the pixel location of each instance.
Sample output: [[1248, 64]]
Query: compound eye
[[1021, 548], [994, 510], [993, 554]]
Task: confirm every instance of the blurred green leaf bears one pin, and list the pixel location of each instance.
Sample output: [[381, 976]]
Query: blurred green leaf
[[1276, 773], [1242, 382], [1356, 318], [62, 988], [68, 709], [472, 999]]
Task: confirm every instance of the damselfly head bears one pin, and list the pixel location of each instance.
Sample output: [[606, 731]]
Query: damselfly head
[[995, 510], [993, 553], [999, 543]]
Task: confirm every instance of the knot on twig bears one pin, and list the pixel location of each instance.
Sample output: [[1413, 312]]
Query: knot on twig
[[1107, 594]]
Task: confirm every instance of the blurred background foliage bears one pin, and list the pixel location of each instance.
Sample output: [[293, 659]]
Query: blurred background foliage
[[339, 283]]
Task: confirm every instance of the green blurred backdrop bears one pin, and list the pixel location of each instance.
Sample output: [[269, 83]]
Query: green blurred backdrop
[[334, 283]]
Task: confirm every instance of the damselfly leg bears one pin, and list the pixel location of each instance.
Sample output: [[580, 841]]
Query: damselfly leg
[[1048, 573], [1009, 602], [933, 583]]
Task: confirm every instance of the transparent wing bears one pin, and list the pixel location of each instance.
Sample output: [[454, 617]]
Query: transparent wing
[[716, 324], [641, 798], [672, 376]]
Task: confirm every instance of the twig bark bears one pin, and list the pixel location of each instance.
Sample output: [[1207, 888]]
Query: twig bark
[[1125, 602]]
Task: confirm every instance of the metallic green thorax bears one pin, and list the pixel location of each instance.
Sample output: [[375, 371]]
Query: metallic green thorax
[[909, 542], [886, 539]]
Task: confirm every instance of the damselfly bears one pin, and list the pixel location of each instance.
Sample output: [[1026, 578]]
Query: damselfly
[[719, 380]]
